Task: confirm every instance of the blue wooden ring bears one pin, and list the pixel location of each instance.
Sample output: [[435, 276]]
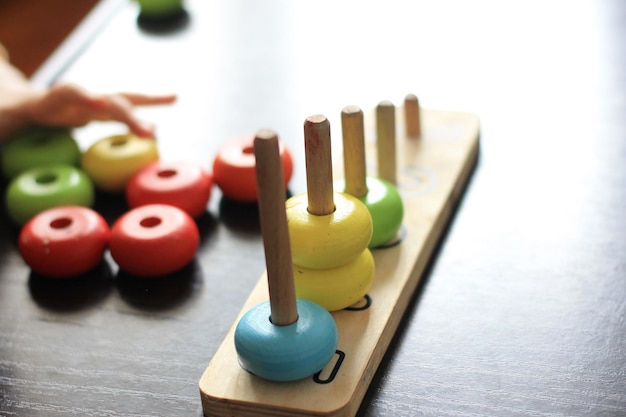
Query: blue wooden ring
[[286, 353]]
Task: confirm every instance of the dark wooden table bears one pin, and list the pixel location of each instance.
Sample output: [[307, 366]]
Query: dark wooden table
[[523, 309]]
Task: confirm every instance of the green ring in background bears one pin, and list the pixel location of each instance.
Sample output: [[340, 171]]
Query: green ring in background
[[38, 189], [37, 147]]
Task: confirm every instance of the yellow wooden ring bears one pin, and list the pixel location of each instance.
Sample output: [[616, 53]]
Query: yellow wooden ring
[[111, 162], [336, 288], [322, 242]]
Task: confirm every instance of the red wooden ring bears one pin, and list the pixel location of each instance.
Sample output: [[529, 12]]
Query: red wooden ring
[[179, 184], [154, 240], [64, 241], [234, 169]]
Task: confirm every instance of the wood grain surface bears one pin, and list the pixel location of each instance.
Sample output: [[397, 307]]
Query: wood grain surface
[[521, 311]]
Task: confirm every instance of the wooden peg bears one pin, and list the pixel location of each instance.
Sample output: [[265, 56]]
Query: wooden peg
[[353, 131], [386, 140], [319, 171], [412, 116], [273, 217]]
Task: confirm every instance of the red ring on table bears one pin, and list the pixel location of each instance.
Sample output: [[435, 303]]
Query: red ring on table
[[154, 240], [234, 169], [180, 184], [64, 241]]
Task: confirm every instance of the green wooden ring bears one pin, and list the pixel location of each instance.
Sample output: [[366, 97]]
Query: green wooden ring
[[38, 189]]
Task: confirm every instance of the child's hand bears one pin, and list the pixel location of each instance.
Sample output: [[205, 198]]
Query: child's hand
[[68, 105], [65, 105]]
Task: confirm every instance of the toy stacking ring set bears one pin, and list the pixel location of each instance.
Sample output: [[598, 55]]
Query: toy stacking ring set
[[342, 259], [357, 248]]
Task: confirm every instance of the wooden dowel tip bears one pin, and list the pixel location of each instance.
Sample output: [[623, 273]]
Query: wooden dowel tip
[[318, 160], [412, 116], [353, 131], [317, 120], [386, 140], [351, 111], [265, 134], [385, 104], [411, 98]]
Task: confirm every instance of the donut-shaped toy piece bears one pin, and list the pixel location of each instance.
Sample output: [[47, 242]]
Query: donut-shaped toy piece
[[38, 189], [112, 161], [322, 242], [158, 9], [336, 288], [234, 169], [64, 242], [385, 206], [38, 147], [286, 353], [180, 184], [154, 240]]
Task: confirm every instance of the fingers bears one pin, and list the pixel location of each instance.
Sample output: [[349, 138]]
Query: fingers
[[71, 93], [121, 109], [145, 100], [72, 106]]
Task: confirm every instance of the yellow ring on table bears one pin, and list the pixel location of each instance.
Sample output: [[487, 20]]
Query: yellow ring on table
[[323, 242], [111, 162], [336, 288]]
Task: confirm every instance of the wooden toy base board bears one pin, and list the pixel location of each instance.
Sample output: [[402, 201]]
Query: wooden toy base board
[[432, 174]]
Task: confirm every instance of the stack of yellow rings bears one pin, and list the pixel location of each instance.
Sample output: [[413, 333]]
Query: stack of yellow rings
[[332, 265]]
